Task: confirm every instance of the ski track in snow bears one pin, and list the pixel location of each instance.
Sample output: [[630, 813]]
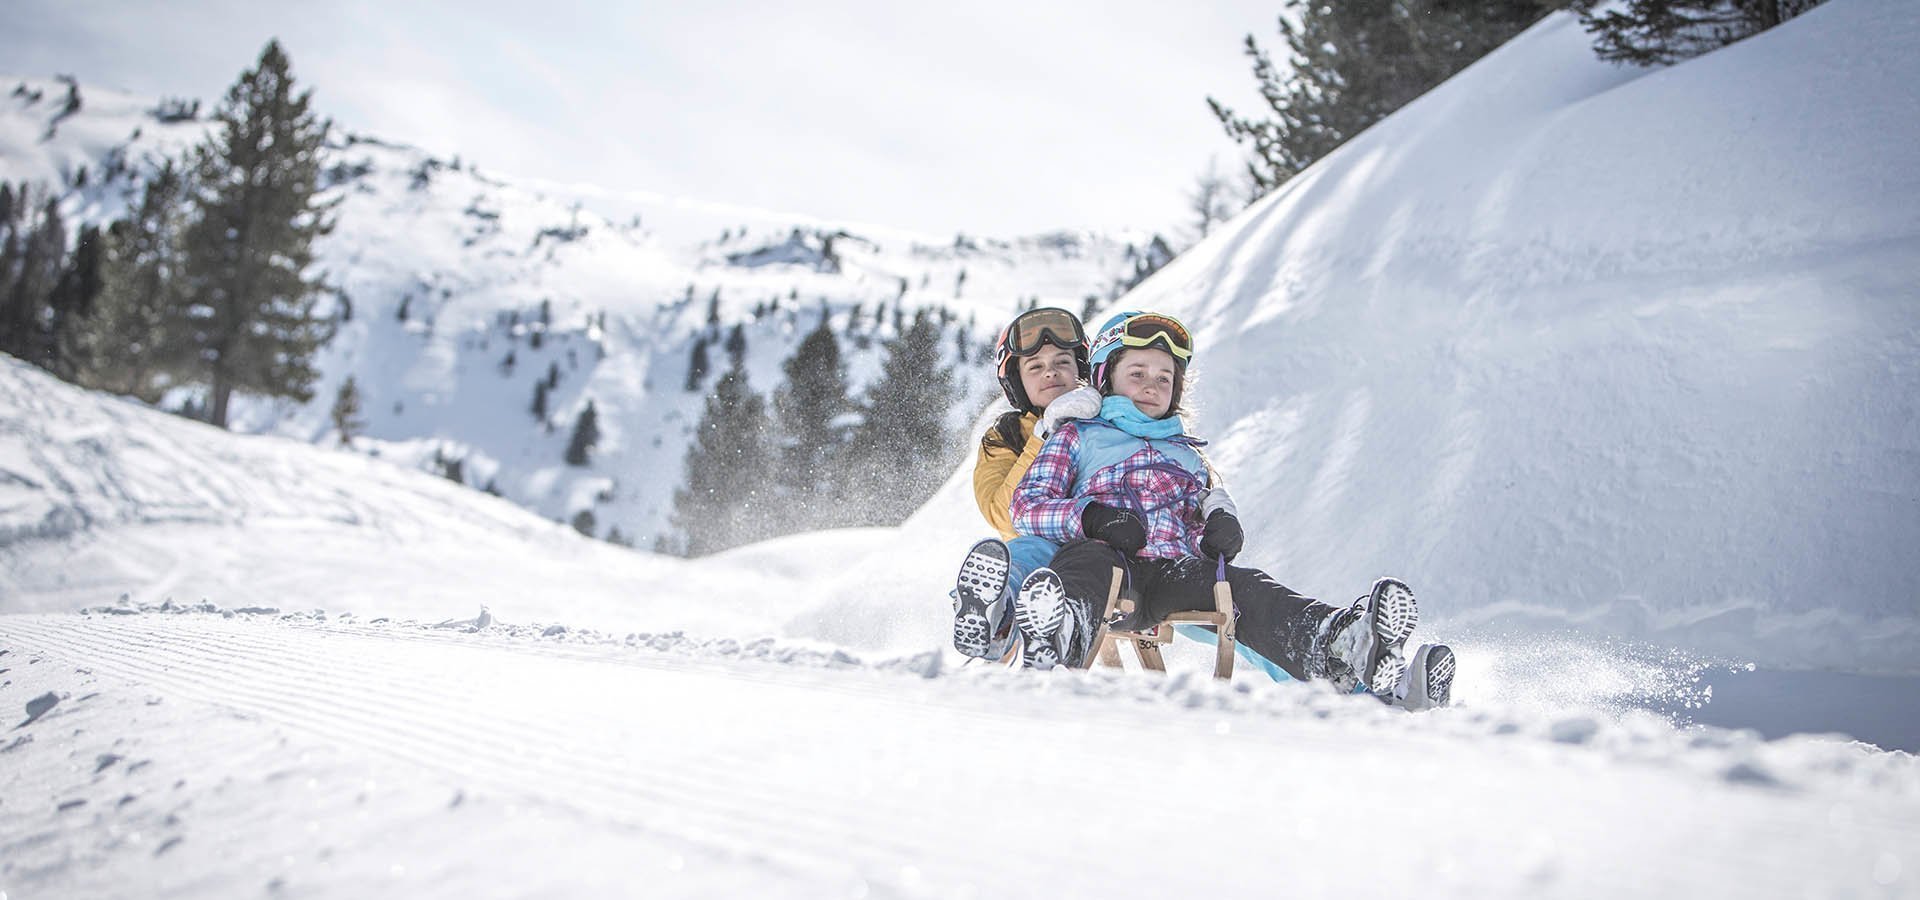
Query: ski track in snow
[[822, 775]]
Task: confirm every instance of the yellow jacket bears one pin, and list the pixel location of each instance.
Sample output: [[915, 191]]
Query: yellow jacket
[[999, 470]]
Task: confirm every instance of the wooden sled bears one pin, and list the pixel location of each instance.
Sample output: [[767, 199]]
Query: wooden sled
[[1146, 644]]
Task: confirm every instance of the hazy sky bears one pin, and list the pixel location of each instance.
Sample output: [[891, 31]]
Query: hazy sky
[[989, 117]]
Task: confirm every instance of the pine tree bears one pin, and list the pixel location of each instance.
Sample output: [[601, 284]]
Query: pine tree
[[697, 365], [1352, 63], [904, 432], [540, 390], [452, 468], [805, 410], [736, 346], [726, 500], [586, 434], [123, 346], [12, 241], [39, 247], [1207, 200], [71, 302], [346, 411], [251, 316], [1661, 32]]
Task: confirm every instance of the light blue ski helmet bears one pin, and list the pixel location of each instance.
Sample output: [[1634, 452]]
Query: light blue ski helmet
[[1137, 329]]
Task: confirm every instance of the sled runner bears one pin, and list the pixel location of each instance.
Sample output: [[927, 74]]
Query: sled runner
[[1146, 643]]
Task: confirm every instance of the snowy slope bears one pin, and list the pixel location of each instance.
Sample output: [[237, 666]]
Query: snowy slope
[[100, 498], [1572, 347]]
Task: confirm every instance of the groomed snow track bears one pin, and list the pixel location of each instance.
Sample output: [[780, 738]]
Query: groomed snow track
[[196, 755]]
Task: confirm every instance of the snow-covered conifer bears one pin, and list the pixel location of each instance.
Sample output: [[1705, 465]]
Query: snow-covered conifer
[[346, 411], [35, 257], [697, 364], [1660, 32], [726, 499], [903, 432], [736, 346], [586, 435], [805, 408], [122, 346], [1350, 64], [251, 317]]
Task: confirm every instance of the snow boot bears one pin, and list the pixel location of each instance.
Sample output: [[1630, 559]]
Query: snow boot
[[1428, 680], [1055, 629], [982, 614], [1364, 643]]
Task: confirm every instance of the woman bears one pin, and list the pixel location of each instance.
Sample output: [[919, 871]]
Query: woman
[[1040, 359]]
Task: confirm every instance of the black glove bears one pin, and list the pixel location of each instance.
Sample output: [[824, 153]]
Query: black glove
[[1222, 535], [1120, 528]]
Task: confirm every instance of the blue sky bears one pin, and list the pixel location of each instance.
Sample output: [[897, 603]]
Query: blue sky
[[991, 117]]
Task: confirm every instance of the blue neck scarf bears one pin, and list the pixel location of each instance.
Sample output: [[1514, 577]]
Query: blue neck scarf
[[1122, 414]]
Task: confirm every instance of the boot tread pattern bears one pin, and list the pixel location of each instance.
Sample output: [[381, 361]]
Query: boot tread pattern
[[970, 628], [982, 581], [1440, 667], [985, 568], [1039, 613], [1394, 613]]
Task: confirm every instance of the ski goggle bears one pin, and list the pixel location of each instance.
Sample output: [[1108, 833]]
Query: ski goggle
[[1036, 328], [1150, 329]]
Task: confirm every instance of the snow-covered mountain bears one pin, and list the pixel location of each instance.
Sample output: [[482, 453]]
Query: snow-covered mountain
[[1618, 367], [459, 291]]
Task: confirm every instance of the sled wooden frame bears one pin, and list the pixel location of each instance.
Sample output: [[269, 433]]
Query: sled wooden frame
[[1146, 644]]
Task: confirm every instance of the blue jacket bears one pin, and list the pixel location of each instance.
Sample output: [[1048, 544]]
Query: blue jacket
[[1088, 460]]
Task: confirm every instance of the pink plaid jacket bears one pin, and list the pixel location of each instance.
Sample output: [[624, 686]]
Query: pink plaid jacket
[[1089, 460]]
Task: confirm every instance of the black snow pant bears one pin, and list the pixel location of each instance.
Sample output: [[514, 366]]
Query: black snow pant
[[1270, 618]]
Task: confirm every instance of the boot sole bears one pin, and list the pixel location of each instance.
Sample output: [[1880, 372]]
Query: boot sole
[[1039, 612], [1394, 614], [983, 574], [1440, 668]]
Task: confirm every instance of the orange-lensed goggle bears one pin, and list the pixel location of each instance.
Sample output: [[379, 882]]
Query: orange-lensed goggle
[[1036, 328]]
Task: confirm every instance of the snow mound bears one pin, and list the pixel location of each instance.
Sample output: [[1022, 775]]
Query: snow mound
[[1575, 347]]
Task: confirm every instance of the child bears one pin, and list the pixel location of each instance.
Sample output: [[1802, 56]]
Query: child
[[1041, 361], [1129, 489]]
